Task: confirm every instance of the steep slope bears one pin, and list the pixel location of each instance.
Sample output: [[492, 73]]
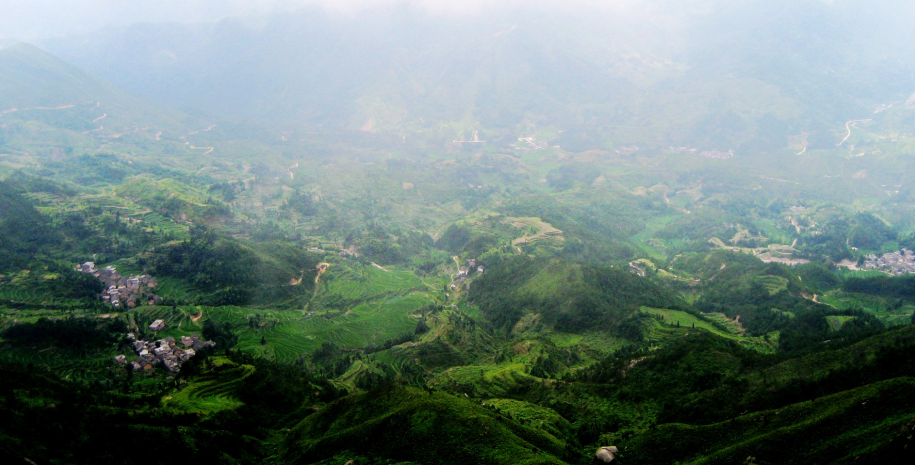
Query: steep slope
[[35, 85]]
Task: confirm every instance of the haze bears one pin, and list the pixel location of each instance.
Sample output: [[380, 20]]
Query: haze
[[54, 18], [450, 233]]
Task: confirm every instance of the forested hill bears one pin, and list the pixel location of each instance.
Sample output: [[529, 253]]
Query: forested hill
[[566, 295]]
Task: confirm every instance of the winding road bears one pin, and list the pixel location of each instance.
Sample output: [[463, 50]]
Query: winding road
[[848, 127]]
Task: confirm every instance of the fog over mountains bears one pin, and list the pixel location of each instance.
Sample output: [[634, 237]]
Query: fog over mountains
[[426, 232], [743, 74]]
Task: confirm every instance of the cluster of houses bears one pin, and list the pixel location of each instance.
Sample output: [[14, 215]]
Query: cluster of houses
[[896, 263], [689, 150], [464, 272], [705, 153], [717, 154], [531, 143], [168, 352], [121, 290]]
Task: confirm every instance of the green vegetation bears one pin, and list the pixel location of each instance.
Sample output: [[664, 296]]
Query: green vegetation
[[391, 296]]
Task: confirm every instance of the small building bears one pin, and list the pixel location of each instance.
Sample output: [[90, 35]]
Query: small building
[[606, 454], [157, 325], [121, 359]]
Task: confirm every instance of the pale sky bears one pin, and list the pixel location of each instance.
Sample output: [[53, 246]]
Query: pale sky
[[36, 19]]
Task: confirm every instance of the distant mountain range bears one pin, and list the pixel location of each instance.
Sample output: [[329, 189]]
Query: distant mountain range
[[727, 75]]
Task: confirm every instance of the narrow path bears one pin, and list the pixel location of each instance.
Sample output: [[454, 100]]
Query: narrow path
[[100, 118], [380, 267], [59, 107], [198, 317], [208, 149], [202, 130]]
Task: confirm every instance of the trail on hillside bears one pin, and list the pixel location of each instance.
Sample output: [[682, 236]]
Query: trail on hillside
[[848, 127], [59, 107], [100, 118], [202, 130], [192, 147], [380, 267]]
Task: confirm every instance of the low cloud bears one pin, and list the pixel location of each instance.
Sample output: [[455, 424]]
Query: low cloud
[[35, 19]]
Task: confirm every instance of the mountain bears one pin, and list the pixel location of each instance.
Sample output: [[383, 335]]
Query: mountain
[[378, 293], [721, 75], [37, 85]]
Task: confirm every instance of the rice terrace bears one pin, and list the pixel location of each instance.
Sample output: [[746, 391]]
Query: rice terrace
[[642, 232]]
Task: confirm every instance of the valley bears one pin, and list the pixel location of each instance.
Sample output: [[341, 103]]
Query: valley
[[530, 249]]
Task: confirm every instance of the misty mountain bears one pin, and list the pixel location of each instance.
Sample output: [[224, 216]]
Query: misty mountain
[[37, 85], [722, 75]]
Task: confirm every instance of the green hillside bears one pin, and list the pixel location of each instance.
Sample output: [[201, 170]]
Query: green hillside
[[393, 237]]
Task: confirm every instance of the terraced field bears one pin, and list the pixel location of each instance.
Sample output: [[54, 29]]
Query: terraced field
[[212, 392], [174, 289], [773, 284], [158, 223], [662, 332], [881, 307], [80, 368], [37, 297], [371, 322], [177, 321], [356, 306], [348, 283]]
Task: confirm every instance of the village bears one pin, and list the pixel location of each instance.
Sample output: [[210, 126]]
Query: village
[[165, 351], [464, 271], [123, 291], [896, 263], [712, 154]]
